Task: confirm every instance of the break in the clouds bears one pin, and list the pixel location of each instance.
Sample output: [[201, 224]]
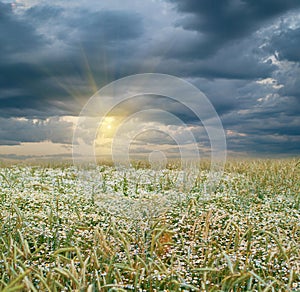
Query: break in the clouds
[[242, 54]]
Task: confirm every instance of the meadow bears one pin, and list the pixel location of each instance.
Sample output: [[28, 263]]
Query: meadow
[[139, 229]]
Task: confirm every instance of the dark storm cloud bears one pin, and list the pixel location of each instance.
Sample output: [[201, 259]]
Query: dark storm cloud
[[109, 27], [44, 13], [228, 63], [85, 27], [14, 131], [223, 94], [242, 61], [106, 41], [29, 91], [46, 67], [50, 54], [220, 22], [264, 145], [147, 102], [19, 73], [289, 77], [286, 44], [16, 35], [265, 127], [268, 124]]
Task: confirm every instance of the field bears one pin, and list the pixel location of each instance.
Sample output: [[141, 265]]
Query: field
[[138, 229]]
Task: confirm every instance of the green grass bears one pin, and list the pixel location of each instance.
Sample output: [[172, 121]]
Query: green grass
[[143, 230]]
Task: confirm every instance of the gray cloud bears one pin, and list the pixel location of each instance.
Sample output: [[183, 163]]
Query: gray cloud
[[50, 54], [17, 36], [222, 22], [287, 44], [61, 62], [154, 137], [15, 131], [148, 102]]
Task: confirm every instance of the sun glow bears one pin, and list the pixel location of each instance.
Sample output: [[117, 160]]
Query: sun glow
[[108, 126], [105, 135]]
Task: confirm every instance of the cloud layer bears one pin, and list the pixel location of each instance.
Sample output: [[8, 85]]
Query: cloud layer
[[242, 54]]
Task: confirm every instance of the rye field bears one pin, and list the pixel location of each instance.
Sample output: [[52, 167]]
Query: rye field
[[139, 229]]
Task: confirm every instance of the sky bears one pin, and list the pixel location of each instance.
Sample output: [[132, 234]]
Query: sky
[[242, 54]]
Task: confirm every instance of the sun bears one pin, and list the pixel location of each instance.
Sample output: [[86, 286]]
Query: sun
[[108, 127], [108, 123], [105, 135]]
